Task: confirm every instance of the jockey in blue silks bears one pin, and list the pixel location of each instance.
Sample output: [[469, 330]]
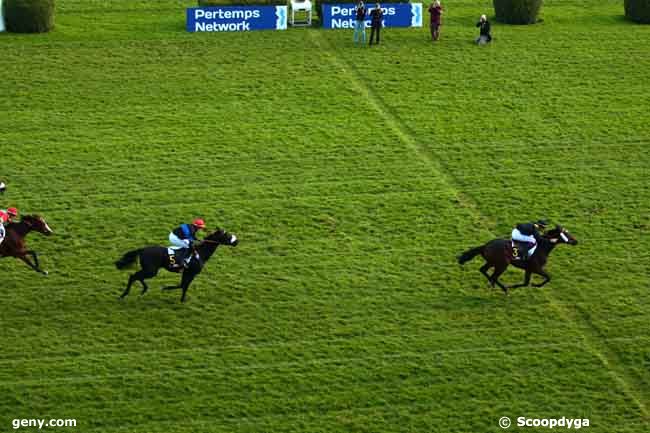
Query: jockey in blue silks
[[184, 236]]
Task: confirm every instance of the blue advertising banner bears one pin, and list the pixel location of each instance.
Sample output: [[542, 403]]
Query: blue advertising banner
[[236, 18], [341, 16]]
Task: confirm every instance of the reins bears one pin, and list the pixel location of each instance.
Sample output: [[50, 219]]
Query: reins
[[211, 242]]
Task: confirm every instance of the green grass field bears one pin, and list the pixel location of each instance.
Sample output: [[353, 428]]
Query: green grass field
[[353, 177]]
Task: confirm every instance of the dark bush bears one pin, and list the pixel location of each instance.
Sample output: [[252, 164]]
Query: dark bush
[[207, 3], [28, 16], [517, 11], [638, 10]]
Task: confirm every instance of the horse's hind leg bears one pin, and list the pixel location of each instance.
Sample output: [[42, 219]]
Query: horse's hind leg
[[484, 270], [145, 275], [132, 278], [144, 287], [495, 278]]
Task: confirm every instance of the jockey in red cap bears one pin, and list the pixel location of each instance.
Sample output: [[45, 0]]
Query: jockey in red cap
[[9, 214], [6, 216], [184, 235]]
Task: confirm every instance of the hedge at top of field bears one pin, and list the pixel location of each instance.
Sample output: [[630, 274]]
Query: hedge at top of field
[[207, 3], [638, 10], [28, 16], [517, 11]]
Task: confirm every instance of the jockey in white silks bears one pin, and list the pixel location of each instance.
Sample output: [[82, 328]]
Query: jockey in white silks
[[528, 233]]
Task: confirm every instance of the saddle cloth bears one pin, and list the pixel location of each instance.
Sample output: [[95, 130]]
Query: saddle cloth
[[2, 233], [521, 251], [176, 256]]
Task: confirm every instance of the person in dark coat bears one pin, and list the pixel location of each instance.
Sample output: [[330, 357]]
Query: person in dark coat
[[376, 17], [484, 31], [435, 10]]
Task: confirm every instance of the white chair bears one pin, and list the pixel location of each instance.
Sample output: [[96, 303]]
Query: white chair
[[301, 6]]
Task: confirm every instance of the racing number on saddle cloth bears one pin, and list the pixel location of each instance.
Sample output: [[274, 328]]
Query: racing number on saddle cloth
[[515, 252]]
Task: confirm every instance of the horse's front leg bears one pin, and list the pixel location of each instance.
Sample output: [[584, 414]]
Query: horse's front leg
[[35, 257], [546, 276], [31, 265], [526, 281], [185, 283]]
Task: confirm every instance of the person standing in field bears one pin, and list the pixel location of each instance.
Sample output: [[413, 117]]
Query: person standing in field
[[376, 17], [435, 10], [484, 31], [360, 22]]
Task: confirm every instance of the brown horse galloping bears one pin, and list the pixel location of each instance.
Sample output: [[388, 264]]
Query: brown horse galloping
[[14, 243], [498, 255]]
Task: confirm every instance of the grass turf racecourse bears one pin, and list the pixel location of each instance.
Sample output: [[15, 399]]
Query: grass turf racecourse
[[353, 177]]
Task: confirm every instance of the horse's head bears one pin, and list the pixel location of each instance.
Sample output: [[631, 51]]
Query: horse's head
[[36, 223], [560, 235], [222, 237]]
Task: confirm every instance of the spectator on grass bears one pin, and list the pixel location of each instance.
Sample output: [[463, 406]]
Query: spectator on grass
[[484, 33], [435, 10], [360, 22], [376, 17]]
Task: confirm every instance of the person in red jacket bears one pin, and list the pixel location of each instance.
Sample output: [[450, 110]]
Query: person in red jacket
[[435, 10]]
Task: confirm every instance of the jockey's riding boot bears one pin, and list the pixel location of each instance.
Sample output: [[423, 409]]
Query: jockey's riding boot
[[187, 256]]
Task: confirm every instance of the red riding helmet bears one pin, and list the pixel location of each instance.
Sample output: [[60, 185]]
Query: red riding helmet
[[3, 217], [199, 223], [12, 212]]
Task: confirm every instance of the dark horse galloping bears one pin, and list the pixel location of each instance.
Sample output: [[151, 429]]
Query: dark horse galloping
[[154, 258], [14, 243], [498, 255]]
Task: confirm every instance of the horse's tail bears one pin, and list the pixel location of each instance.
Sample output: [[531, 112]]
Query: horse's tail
[[470, 254], [127, 259]]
